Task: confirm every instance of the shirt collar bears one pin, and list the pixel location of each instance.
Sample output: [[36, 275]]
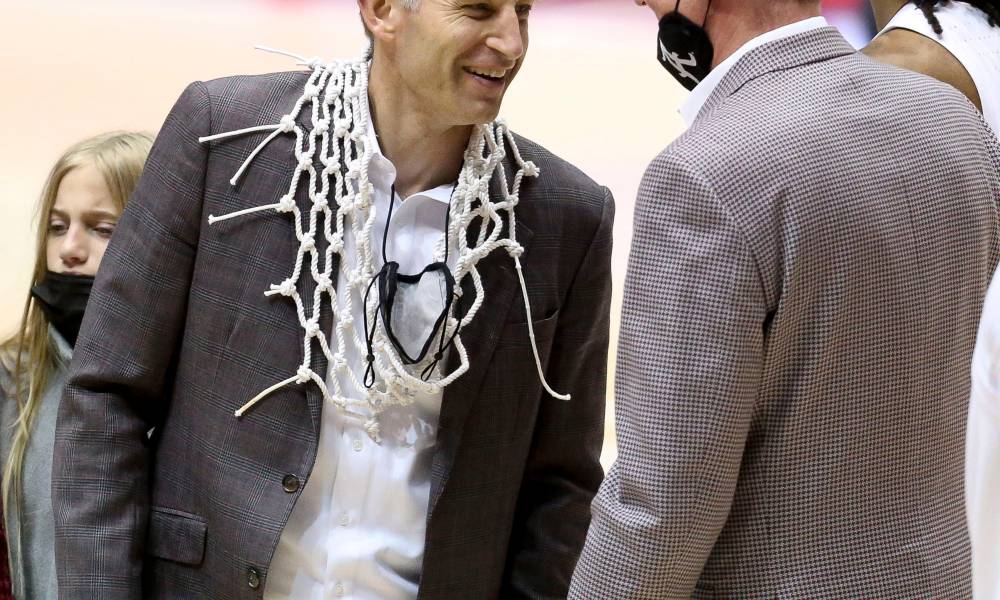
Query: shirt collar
[[693, 105], [382, 172]]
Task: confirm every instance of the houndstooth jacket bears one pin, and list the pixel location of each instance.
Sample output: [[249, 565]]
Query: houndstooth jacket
[[804, 286], [178, 334]]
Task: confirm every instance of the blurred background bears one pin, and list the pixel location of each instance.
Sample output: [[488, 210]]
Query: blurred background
[[590, 90]]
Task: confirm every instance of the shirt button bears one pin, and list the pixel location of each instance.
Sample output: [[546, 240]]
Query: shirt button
[[358, 446], [338, 589], [290, 483], [345, 520], [253, 578]]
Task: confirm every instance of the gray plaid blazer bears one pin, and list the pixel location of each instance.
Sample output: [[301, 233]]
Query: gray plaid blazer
[[804, 286], [178, 335]]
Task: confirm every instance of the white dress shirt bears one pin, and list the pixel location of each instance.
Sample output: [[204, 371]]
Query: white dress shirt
[[968, 36], [358, 529], [693, 105]]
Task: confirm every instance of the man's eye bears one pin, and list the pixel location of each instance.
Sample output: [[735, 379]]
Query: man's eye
[[57, 227]]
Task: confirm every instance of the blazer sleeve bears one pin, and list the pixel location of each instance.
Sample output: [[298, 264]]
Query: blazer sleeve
[[121, 370], [563, 469], [688, 370]]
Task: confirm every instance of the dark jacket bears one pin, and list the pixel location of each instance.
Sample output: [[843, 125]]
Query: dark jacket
[[178, 335]]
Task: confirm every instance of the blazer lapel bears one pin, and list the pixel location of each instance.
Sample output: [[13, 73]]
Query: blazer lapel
[[787, 53], [480, 338]]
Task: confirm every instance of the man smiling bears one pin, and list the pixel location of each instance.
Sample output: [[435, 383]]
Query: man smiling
[[368, 326]]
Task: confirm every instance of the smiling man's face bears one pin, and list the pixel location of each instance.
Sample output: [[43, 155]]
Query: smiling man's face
[[456, 58]]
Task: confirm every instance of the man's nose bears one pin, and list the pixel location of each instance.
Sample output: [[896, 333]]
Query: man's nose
[[506, 37]]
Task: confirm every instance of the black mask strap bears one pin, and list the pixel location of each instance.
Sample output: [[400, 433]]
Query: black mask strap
[[708, 9], [388, 219], [442, 346], [369, 377]]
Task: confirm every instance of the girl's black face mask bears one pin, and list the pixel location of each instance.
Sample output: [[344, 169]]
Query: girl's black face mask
[[63, 299], [684, 48]]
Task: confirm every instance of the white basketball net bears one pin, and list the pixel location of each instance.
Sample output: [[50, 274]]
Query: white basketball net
[[334, 95]]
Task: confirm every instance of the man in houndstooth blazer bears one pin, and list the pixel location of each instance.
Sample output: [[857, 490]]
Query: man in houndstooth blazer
[[804, 286], [179, 334]]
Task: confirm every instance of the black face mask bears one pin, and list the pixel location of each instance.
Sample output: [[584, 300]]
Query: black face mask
[[404, 301], [63, 299], [684, 48]]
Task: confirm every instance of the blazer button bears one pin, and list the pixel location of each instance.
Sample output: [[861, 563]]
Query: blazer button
[[290, 483], [253, 578]]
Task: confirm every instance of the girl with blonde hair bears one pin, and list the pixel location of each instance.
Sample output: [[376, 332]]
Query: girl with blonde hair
[[81, 202]]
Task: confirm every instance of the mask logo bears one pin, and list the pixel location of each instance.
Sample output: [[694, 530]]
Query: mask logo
[[680, 64], [684, 48]]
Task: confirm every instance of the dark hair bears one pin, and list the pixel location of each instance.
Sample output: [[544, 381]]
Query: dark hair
[[990, 7]]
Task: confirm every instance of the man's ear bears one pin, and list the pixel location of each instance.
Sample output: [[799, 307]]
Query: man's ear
[[377, 16]]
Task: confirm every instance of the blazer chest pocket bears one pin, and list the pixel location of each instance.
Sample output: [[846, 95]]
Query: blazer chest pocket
[[514, 361], [514, 335], [176, 536]]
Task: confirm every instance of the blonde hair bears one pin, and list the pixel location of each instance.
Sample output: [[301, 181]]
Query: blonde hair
[[29, 355]]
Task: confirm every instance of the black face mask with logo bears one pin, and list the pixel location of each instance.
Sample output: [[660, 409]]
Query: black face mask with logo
[[684, 48], [63, 299]]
